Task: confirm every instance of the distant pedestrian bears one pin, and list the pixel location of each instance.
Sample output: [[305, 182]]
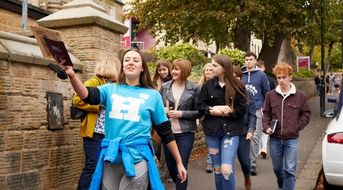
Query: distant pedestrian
[[223, 101], [162, 73], [327, 83], [340, 101], [243, 152], [337, 83], [332, 83], [265, 137], [317, 83], [261, 66], [287, 108], [255, 81], [207, 74]]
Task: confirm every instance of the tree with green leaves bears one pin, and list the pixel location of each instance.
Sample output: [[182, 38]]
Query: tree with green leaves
[[183, 20], [310, 37], [225, 21]]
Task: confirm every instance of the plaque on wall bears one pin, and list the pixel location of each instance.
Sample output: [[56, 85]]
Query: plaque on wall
[[55, 111]]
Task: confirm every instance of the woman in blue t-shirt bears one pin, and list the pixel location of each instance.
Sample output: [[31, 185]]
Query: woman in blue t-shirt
[[132, 106]]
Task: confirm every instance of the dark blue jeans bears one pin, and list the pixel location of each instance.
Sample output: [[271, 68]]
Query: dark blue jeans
[[243, 154], [283, 153], [91, 148], [184, 143]]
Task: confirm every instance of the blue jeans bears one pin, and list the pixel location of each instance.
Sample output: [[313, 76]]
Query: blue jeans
[[223, 151], [184, 143], [209, 160], [284, 158], [91, 148], [243, 154]]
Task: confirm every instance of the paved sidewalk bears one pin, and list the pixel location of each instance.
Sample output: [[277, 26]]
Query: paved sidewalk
[[309, 161], [307, 179]]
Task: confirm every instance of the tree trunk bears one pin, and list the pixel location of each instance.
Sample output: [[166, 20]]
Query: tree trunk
[[285, 52], [241, 31], [242, 38], [270, 54], [329, 56]]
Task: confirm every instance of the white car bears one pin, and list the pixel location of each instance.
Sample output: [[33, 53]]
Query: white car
[[332, 152]]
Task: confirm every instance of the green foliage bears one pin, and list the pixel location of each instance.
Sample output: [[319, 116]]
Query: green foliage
[[152, 68], [336, 56], [303, 73], [216, 21], [236, 55], [197, 71], [184, 50], [182, 20], [311, 33]]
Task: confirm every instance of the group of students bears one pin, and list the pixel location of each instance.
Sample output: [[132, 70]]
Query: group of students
[[124, 106]]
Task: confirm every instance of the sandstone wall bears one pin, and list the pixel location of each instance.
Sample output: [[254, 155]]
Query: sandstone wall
[[31, 155], [10, 21]]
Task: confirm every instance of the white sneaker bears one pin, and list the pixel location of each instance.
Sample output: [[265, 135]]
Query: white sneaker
[[264, 153]]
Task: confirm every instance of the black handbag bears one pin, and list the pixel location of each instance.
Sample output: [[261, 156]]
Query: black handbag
[[76, 113]]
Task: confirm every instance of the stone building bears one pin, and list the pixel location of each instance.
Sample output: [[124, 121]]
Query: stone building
[[40, 147]]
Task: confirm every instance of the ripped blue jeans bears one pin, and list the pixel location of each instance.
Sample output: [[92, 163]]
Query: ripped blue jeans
[[223, 151]]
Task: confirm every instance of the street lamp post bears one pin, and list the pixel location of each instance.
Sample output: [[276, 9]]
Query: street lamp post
[[322, 89]]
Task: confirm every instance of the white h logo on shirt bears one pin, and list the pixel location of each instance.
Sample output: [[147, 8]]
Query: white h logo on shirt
[[126, 108]]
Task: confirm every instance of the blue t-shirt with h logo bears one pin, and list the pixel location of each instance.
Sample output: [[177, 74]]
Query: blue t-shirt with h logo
[[130, 111]]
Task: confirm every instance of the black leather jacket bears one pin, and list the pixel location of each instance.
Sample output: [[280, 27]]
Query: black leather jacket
[[212, 94]]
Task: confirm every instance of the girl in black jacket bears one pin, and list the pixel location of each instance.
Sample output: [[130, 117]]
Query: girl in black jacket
[[223, 101]]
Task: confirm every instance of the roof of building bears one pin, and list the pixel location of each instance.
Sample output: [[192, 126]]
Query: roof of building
[[16, 6]]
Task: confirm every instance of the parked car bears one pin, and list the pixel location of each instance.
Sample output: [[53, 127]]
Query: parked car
[[332, 151]]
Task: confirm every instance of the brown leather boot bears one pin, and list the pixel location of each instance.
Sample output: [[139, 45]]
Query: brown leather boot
[[247, 182]]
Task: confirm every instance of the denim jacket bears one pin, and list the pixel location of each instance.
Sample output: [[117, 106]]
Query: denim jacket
[[187, 104]]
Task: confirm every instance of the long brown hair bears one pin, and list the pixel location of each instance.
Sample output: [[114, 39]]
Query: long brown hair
[[232, 85], [144, 77], [164, 63]]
